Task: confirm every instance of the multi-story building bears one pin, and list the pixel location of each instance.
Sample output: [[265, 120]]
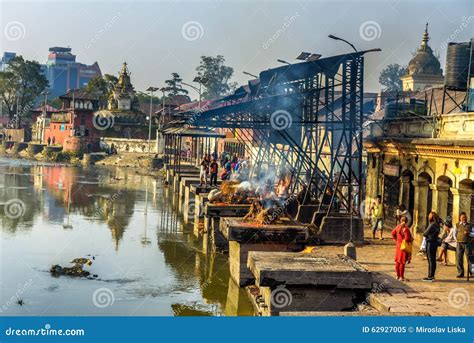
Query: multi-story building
[[6, 58], [64, 73], [61, 70]]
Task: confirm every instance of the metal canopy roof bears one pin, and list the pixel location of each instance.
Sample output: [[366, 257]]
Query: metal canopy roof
[[192, 132]]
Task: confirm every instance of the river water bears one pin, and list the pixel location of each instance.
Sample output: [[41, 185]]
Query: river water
[[144, 260]]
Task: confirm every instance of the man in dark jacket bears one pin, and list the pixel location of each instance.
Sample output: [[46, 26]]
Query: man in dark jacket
[[432, 241], [463, 240]]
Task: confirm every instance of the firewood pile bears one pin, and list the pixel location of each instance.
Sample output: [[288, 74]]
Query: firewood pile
[[265, 215], [233, 192]]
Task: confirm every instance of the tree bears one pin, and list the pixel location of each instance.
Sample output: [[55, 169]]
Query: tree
[[216, 76], [174, 85], [102, 85], [390, 77], [20, 85]]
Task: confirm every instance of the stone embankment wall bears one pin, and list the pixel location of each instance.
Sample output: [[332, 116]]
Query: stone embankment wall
[[131, 145]]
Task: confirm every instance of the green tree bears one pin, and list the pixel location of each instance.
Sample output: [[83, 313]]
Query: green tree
[[216, 76], [390, 77], [102, 85], [174, 85], [20, 85]]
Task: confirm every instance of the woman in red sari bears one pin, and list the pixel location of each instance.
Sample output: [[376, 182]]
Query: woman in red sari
[[400, 233]]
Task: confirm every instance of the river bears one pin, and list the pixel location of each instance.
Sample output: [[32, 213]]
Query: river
[[145, 262]]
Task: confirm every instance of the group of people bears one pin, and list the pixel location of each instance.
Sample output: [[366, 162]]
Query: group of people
[[230, 165], [208, 167], [51, 141], [439, 234]]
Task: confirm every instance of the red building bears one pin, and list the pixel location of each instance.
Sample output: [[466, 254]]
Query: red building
[[72, 127]]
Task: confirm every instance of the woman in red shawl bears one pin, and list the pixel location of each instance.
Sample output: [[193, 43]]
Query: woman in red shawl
[[400, 233]]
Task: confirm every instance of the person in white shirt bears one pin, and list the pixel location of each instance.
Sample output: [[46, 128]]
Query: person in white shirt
[[402, 211], [448, 241]]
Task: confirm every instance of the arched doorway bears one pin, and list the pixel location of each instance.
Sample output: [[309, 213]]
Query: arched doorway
[[466, 193], [445, 197]]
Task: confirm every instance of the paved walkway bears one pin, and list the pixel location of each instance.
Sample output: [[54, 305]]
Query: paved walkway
[[447, 296]]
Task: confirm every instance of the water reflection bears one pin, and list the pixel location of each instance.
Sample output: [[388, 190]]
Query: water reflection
[[151, 263]]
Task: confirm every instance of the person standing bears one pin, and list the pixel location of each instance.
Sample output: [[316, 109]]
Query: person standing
[[203, 172], [431, 233], [376, 211], [463, 243], [402, 211], [448, 241], [399, 234], [214, 169], [49, 140]]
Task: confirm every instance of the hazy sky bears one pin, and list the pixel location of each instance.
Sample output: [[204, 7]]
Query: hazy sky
[[160, 37]]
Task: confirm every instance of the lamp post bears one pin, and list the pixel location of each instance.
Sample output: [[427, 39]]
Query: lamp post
[[250, 74], [151, 90], [283, 61], [343, 40], [43, 123], [349, 248], [200, 80]]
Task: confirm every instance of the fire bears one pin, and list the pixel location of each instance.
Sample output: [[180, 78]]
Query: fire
[[270, 214]]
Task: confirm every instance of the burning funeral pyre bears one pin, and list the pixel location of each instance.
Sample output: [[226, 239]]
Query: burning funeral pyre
[[268, 203]]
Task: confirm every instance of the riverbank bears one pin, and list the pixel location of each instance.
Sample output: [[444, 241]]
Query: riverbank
[[141, 163]]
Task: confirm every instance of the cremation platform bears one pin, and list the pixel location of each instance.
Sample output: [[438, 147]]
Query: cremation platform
[[213, 212], [285, 235], [296, 282]]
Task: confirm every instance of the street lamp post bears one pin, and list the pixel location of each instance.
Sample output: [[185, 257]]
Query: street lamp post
[[349, 248], [201, 80], [343, 40], [250, 74], [283, 61], [151, 90], [43, 123]]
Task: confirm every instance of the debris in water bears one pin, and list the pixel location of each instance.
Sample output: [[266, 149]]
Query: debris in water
[[76, 270]]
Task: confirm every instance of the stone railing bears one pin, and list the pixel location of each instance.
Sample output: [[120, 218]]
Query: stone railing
[[457, 125], [404, 127], [446, 126]]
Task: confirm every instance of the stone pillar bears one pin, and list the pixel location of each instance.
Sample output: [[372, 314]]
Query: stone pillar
[[434, 200], [420, 209], [461, 202], [405, 193]]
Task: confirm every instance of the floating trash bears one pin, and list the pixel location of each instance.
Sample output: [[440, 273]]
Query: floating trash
[[76, 270]]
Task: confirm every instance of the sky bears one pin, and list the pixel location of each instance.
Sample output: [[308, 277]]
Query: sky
[[157, 38]]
